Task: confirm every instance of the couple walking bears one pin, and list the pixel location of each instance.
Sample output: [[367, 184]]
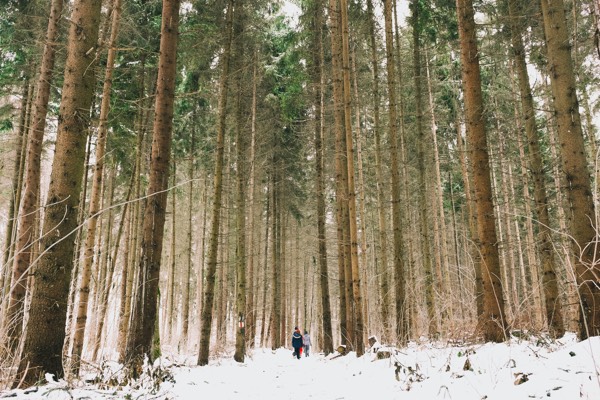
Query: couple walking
[[299, 341]]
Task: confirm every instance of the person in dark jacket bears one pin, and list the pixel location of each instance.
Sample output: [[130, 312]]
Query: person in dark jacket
[[297, 342]]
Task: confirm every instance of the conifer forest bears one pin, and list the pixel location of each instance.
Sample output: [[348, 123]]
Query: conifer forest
[[204, 175]]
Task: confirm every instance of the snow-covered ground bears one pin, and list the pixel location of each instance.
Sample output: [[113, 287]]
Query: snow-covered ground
[[519, 369]]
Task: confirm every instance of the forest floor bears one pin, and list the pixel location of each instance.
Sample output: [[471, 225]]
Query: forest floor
[[518, 369]]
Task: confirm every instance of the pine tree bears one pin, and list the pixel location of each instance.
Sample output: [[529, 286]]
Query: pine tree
[[549, 279], [399, 267], [26, 228], [213, 247], [142, 332], [574, 164], [493, 321], [45, 335]]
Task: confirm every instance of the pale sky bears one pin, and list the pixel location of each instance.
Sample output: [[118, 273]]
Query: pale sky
[[294, 11]]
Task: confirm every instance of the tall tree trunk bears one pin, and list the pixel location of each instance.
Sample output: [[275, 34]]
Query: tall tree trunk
[[553, 309], [530, 296], [81, 216], [359, 333], [442, 234], [277, 266], [103, 302], [15, 200], [213, 247], [200, 274], [405, 197], [251, 311], [424, 205], [42, 351], [27, 216], [592, 144], [340, 172], [146, 300], [94, 208], [361, 197], [241, 145], [382, 248], [566, 274], [532, 258], [130, 253], [223, 258], [20, 148], [282, 220], [186, 297], [104, 244], [457, 254], [264, 323], [399, 268], [492, 321], [172, 292], [466, 171], [579, 194], [505, 233], [530, 242]]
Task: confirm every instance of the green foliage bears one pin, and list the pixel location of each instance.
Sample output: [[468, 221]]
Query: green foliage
[[133, 77], [16, 43], [436, 19], [285, 77], [6, 125]]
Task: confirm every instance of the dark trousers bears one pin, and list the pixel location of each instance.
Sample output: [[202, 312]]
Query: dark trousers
[[297, 351]]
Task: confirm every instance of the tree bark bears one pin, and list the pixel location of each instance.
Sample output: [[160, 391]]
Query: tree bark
[[532, 257], [364, 272], [442, 232], [240, 200], [26, 234], [130, 253], [492, 321], [146, 300], [276, 265], [566, 274], [251, 307], [172, 292], [340, 175], [105, 243], [399, 267], [94, 208], [466, 168], [15, 200], [359, 333], [209, 290], [186, 297], [574, 164], [424, 205], [103, 302], [382, 248], [264, 324], [42, 351]]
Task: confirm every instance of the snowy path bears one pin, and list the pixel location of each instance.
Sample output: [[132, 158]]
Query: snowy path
[[506, 371], [279, 376], [515, 370]]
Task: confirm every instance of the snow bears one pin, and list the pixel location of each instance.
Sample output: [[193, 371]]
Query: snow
[[518, 369]]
